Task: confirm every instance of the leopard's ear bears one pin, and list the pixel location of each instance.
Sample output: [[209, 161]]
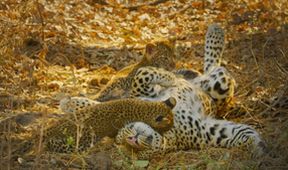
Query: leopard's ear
[[169, 44], [149, 51], [170, 102]]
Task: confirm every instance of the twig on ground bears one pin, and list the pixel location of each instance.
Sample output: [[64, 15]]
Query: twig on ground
[[181, 10], [255, 59], [283, 53], [174, 155], [280, 93], [71, 163], [9, 145], [153, 3], [41, 20], [71, 67], [39, 148], [246, 86], [282, 70]]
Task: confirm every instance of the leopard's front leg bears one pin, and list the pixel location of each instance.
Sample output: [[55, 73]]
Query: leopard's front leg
[[162, 144], [150, 81]]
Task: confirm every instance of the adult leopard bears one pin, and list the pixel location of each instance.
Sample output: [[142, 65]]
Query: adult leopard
[[194, 125]]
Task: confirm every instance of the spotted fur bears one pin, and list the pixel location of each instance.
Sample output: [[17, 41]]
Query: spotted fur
[[218, 84], [159, 54], [214, 47], [216, 80], [74, 104], [103, 119], [138, 136], [197, 102], [193, 134]]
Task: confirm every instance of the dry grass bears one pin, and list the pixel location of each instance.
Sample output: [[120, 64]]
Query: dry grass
[[45, 55]]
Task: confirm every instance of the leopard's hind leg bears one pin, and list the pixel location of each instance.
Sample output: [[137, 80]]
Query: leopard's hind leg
[[214, 47]]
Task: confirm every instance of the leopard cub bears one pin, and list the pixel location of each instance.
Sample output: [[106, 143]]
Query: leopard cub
[[81, 129]]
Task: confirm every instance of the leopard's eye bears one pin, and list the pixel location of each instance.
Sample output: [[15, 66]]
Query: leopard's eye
[[159, 118], [149, 138], [144, 141]]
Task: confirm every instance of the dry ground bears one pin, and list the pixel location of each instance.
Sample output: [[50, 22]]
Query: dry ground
[[50, 49]]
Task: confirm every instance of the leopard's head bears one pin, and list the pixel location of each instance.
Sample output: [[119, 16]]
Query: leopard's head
[[161, 117], [160, 54], [141, 136]]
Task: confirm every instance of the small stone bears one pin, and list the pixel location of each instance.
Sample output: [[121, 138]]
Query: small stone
[[21, 160]]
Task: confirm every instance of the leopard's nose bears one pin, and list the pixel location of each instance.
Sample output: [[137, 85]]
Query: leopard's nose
[[132, 139]]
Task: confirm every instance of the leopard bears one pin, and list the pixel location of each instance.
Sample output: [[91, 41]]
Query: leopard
[[198, 100], [157, 54], [141, 141], [216, 80], [82, 128]]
